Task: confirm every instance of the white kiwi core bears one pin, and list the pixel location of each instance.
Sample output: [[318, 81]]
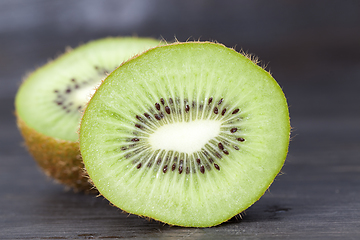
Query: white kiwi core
[[186, 137], [83, 95]]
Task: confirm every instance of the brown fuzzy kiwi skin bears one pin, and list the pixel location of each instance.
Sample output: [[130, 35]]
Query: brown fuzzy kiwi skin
[[59, 159]]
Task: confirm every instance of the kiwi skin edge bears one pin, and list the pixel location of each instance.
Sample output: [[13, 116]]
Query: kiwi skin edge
[[58, 159]]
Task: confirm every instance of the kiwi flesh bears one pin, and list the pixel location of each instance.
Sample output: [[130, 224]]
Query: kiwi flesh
[[189, 134], [50, 102]]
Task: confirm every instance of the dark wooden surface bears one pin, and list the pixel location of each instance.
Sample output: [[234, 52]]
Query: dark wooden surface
[[317, 195], [316, 61]]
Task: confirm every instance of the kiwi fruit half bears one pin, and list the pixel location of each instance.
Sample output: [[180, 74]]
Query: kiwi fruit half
[[190, 134], [49, 103]]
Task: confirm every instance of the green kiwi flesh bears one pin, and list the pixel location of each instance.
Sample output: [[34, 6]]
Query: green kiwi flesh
[[50, 102], [190, 134]]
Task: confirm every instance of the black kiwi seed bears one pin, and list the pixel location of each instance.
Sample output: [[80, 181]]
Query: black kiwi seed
[[223, 112], [138, 126], [202, 169], [139, 118], [235, 111], [216, 111], [236, 147], [167, 110], [226, 152], [221, 100], [162, 101], [171, 101], [138, 166], [198, 161], [210, 100], [157, 117], [157, 106], [147, 115], [135, 140], [180, 169], [241, 139], [216, 166], [173, 167], [221, 146], [165, 168], [233, 130], [187, 108]]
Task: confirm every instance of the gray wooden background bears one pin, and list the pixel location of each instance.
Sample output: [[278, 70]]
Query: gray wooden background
[[312, 48]]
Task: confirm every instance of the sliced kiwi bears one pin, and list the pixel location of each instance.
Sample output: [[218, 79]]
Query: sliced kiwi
[[190, 134], [50, 102]]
